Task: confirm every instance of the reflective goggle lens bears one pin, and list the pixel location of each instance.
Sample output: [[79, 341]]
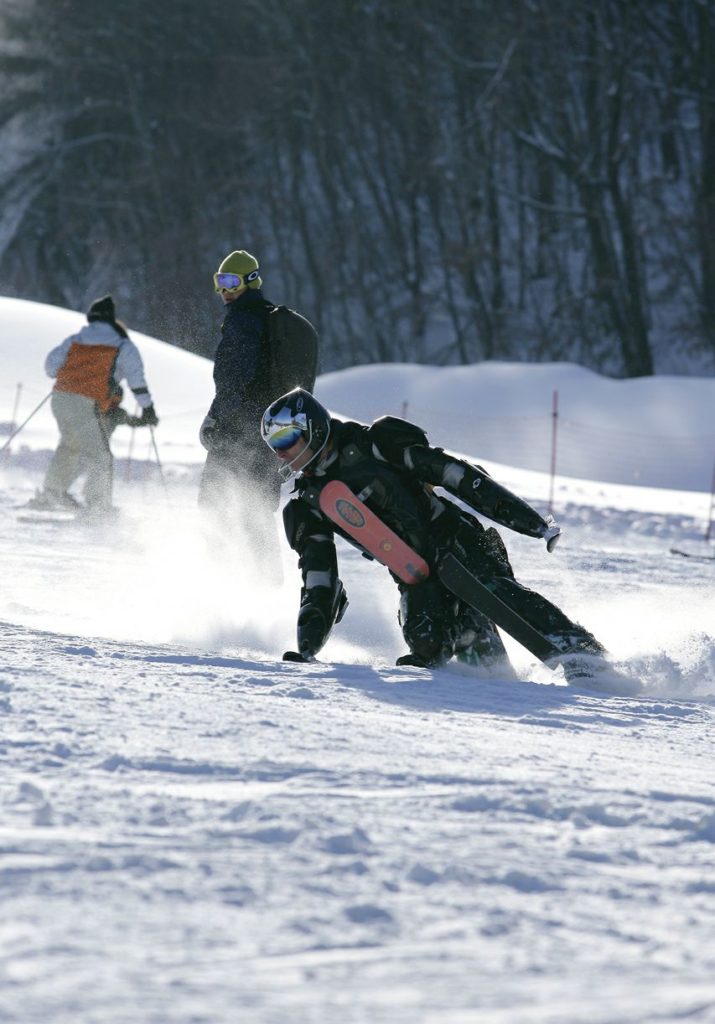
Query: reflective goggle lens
[[228, 281], [231, 282], [282, 430], [284, 438]]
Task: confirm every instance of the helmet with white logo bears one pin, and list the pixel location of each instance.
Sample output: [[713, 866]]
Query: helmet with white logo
[[291, 417]]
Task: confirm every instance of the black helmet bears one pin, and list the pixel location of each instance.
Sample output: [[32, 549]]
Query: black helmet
[[291, 417]]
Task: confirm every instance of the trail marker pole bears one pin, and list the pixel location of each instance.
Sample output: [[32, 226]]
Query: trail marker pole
[[554, 433], [709, 529], [26, 421]]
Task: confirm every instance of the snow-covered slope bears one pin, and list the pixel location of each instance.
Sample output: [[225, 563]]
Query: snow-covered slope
[[192, 837], [192, 830]]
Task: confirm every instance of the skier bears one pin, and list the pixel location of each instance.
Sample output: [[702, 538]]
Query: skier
[[238, 487], [86, 399], [394, 461]]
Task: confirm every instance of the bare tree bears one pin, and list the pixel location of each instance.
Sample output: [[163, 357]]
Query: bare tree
[[428, 182]]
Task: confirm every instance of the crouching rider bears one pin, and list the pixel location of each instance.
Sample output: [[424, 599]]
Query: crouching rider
[[393, 464]]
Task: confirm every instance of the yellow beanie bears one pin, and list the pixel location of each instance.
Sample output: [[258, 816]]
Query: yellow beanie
[[241, 262]]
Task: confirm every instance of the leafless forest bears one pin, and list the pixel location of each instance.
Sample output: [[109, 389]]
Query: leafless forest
[[434, 182]]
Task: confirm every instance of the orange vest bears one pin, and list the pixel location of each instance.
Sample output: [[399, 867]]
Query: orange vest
[[88, 371]]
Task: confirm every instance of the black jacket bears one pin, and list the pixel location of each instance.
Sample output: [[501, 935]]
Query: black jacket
[[393, 458], [241, 368]]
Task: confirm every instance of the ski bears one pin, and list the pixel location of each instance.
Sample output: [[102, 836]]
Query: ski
[[61, 517], [692, 555], [46, 516], [353, 516], [466, 586]]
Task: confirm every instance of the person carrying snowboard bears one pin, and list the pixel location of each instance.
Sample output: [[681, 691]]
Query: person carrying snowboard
[[239, 490], [393, 464]]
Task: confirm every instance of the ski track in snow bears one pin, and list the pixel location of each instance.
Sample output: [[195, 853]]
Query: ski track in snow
[[194, 831]]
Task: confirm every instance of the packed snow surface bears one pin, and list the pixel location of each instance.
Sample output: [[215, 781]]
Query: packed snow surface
[[195, 832]]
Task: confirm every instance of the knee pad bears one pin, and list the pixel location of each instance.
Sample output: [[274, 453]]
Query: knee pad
[[427, 615], [479, 550]]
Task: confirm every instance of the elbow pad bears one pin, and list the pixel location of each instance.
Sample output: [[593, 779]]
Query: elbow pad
[[392, 437], [474, 486]]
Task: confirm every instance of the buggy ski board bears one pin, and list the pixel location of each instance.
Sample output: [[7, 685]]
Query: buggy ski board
[[353, 516], [346, 509], [466, 586]]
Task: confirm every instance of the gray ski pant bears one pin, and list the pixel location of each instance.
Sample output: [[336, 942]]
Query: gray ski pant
[[83, 448]]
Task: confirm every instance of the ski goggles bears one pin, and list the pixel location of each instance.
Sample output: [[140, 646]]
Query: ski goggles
[[284, 429], [232, 282]]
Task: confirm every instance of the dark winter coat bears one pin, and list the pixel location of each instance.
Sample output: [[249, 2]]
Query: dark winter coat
[[241, 369], [395, 461]]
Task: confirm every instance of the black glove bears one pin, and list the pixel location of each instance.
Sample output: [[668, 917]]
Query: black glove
[[148, 417], [207, 432], [551, 533], [313, 631], [294, 656], [117, 416], [320, 609]]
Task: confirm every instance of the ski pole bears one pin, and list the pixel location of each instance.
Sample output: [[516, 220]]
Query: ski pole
[[130, 453], [158, 462], [25, 422]]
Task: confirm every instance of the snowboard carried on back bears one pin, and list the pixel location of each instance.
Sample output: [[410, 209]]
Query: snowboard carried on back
[[293, 348]]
